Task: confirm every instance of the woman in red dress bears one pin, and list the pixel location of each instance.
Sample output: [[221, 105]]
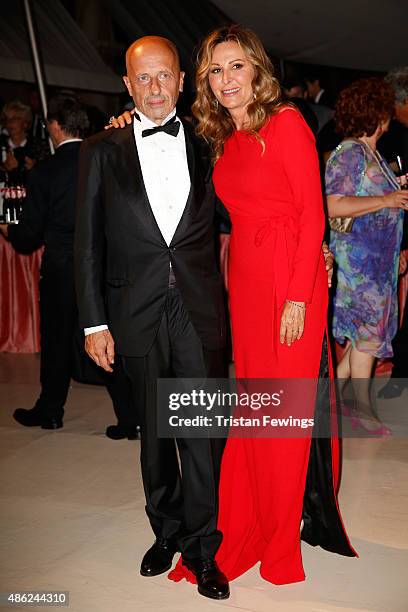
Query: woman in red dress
[[267, 176]]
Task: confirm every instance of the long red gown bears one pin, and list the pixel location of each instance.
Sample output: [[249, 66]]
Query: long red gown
[[275, 204]]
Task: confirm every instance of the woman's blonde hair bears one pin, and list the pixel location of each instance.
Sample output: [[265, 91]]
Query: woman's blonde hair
[[214, 122], [21, 109]]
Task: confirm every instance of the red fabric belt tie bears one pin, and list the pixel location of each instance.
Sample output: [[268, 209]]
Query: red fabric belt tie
[[282, 231]]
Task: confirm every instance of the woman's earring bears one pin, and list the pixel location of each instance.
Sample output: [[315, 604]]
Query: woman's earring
[[215, 103], [254, 95]]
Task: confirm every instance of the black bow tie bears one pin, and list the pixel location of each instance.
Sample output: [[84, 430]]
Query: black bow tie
[[170, 127]]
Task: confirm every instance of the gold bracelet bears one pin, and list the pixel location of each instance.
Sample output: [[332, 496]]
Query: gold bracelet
[[294, 304]]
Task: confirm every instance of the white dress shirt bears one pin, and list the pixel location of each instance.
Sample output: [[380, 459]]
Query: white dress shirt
[[13, 146], [67, 141], [318, 96], [163, 162]]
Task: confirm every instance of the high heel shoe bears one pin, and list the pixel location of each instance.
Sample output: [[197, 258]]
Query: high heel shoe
[[345, 408], [381, 431]]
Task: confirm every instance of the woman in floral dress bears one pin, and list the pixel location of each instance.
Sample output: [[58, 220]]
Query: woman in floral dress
[[360, 184]]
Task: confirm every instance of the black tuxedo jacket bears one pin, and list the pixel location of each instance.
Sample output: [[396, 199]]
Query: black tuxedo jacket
[[48, 216], [326, 100], [121, 258]]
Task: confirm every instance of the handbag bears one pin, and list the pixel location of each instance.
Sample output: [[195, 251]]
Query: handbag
[[344, 225]]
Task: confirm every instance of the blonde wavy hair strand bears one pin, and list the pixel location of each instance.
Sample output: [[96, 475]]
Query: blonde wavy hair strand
[[215, 124]]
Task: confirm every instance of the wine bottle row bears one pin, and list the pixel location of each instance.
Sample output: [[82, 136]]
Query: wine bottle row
[[11, 202]]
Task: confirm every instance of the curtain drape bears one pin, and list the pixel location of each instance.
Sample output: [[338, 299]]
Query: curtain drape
[[19, 300]]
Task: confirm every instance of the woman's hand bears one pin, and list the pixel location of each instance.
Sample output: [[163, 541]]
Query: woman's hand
[[224, 252], [403, 263], [292, 322], [329, 261], [396, 199], [124, 119], [10, 163], [29, 163], [402, 180]]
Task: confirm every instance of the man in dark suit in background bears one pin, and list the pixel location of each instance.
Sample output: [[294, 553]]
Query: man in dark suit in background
[[48, 218], [317, 94], [146, 208]]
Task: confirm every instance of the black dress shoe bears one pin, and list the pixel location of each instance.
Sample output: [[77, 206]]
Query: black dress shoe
[[52, 423], [35, 418], [118, 432], [158, 558], [392, 389], [211, 582]]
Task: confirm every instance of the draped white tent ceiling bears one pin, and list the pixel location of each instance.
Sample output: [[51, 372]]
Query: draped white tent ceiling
[[70, 60], [358, 34]]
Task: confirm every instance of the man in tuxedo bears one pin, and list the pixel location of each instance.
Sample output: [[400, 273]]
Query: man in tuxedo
[[145, 224], [322, 105], [48, 219], [316, 92]]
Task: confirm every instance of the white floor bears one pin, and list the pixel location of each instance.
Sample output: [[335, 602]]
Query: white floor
[[72, 517]]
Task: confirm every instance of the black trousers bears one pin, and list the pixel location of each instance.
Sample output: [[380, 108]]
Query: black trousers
[[58, 324], [182, 506], [400, 348]]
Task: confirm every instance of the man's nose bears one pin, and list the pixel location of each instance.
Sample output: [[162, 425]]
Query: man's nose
[[155, 86]]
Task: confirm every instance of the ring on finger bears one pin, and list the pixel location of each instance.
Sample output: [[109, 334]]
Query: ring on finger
[[111, 119]]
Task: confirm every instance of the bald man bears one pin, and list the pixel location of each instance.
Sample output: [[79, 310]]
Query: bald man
[[150, 295]]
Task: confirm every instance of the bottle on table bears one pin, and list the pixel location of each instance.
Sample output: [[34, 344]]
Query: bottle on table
[[7, 204], [11, 203]]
